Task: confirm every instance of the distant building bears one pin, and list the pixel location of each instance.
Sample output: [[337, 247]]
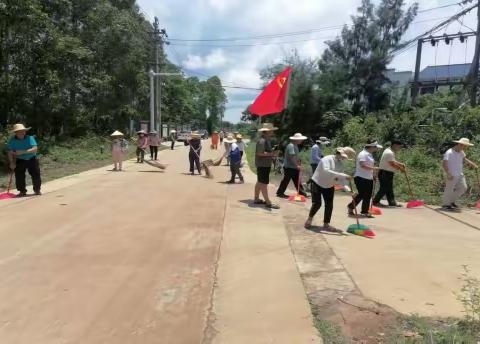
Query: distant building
[[399, 82], [433, 78]]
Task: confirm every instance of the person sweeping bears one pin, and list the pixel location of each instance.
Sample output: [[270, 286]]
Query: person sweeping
[[154, 143], [292, 166], [235, 161], [328, 173], [195, 143], [22, 155], [364, 174], [453, 163], [387, 168], [173, 138], [119, 148], [142, 144]]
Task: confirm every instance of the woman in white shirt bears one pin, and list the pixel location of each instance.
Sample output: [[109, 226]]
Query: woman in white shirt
[[364, 174], [328, 173]]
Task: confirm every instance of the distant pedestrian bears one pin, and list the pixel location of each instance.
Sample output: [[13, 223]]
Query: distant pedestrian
[[264, 156], [317, 152], [364, 174], [222, 136], [173, 138], [215, 140], [387, 168], [241, 144], [453, 163], [328, 173], [22, 155], [235, 160], [292, 166], [119, 148], [227, 144], [142, 144], [195, 143], [154, 143]]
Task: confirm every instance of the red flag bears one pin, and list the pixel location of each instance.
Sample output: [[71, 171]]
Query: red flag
[[273, 99]]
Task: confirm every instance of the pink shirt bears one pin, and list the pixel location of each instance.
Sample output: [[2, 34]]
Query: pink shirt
[[154, 140], [142, 142]]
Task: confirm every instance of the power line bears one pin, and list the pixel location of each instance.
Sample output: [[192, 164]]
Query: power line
[[440, 7]]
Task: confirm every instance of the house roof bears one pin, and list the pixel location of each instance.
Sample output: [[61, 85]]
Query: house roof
[[445, 72]]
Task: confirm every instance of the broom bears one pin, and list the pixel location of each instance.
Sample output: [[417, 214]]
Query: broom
[[413, 203], [374, 210], [357, 228], [8, 194], [297, 197], [204, 164], [478, 183], [156, 164]]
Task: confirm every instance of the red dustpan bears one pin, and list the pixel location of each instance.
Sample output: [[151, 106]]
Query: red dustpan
[[8, 194], [414, 203]]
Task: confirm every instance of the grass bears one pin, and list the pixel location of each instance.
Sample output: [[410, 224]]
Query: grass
[[60, 159]]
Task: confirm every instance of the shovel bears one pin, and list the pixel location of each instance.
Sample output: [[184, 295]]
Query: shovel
[[8, 194]]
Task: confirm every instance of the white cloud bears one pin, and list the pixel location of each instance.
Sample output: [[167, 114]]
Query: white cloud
[[215, 59]]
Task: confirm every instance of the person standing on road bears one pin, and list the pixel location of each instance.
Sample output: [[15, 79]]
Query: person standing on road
[[292, 166], [215, 140], [387, 168], [195, 143], [227, 143], [173, 138], [317, 152], [222, 135], [364, 174], [264, 156], [142, 144], [241, 145], [119, 147], [22, 155], [235, 162], [328, 173], [153, 142], [456, 184]]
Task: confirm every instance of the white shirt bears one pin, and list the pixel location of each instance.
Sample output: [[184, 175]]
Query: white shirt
[[366, 157], [241, 145], [387, 156], [329, 172], [455, 162]]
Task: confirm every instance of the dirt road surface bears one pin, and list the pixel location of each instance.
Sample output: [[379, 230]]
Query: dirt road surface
[[131, 257]]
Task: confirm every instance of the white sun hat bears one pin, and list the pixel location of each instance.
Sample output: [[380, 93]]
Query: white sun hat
[[19, 127], [267, 127], [298, 137], [465, 142], [117, 133]]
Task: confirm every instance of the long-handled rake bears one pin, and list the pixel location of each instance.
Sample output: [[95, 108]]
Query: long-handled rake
[[297, 197], [8, 194], [374, 210], [478, 183], [413, 203], [357, 228]]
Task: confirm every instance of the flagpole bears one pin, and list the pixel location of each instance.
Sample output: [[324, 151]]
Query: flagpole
[[287, 96]]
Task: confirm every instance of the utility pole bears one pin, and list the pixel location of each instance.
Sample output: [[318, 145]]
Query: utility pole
[[155, 79], [475, 63], [415, 87]]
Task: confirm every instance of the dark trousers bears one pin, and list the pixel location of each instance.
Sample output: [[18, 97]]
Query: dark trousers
[[194, 162], [173, 144], [317, 193], [314, 167], [364, 195], [290, 174], [140, 154], [241, 155], [235, 169], [153, 152], [33, 168], [386, 187]]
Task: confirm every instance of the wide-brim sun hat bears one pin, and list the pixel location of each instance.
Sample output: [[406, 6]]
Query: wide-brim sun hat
[[153, 132], [239, 137], [267, 127], [195, 134], [464, 142], [374, 144], [141, 132], [347, 152], [19, 127], [298, 137], [173, 131], [229, 139], [117, 133]]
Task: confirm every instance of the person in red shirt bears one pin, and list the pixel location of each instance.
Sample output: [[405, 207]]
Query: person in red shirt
[[142, 144]]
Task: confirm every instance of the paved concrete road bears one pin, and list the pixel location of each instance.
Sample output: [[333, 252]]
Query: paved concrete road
[[131, 257]]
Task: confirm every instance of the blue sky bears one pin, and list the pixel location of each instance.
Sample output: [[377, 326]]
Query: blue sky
[[239, 66]]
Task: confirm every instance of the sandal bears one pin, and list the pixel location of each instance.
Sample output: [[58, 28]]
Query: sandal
[[271, 206]]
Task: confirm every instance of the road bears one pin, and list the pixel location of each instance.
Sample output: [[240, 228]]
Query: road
[[132, 257]]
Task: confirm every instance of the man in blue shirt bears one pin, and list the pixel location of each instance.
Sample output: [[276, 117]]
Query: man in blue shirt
[[22, 155], [317, 152]]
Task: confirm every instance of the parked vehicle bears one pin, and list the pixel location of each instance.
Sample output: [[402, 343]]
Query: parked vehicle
[[183, 136]]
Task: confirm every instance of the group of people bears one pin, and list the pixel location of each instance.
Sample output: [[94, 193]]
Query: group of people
[[328, 171]]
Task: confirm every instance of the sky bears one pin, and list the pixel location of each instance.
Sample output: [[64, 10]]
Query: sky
[[240, 65]]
